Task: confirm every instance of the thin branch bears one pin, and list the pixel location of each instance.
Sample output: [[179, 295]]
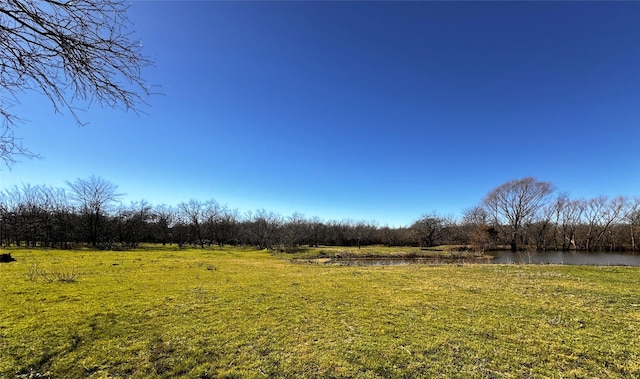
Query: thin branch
[[67, 50]]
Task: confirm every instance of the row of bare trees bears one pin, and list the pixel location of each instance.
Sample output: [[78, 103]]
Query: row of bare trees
[[523, 213], [518, 214], [89, 212]]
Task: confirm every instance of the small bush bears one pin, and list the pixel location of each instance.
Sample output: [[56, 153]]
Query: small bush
[[64, 275]]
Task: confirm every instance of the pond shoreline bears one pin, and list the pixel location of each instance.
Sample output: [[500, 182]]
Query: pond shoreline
[[493, 257], [392, 261]]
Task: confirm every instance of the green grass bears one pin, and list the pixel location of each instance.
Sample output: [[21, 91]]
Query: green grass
[[244, 313], [445, 251]]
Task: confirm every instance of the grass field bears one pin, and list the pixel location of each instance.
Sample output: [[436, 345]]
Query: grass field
[[250, 314]]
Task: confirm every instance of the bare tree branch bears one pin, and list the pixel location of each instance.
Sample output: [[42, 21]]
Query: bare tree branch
[[517, 203], [67, 50]]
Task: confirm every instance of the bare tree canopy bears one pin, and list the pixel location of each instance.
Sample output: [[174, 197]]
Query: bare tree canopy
[[94, 196], [90, 211], [517, 202], [66, 50]]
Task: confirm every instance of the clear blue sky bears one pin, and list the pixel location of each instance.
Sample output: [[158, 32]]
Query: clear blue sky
[[363, 110]]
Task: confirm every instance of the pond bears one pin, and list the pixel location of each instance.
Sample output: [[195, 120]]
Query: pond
[[495, 257], [565, 258], [392, 261]]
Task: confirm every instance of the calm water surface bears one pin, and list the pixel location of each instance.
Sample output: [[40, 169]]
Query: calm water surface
[[566, 258], [501, 257]]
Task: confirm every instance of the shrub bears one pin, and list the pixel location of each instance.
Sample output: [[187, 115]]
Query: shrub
[[64, 275]]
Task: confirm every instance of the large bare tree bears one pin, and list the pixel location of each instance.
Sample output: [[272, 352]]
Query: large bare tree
[[93, 197], [516, 203], [427, 229], [475, 224], [66, 50], [568, 214], [165, 217], [193, 212], [600, 215]]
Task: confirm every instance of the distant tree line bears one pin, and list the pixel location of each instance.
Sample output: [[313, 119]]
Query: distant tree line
[[518, 214]]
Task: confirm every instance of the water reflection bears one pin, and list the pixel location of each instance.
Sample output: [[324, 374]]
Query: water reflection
[[565, 258], [382, 261], [496, 257]]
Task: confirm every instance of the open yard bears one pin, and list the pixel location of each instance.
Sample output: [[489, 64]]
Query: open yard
[[230, 312]]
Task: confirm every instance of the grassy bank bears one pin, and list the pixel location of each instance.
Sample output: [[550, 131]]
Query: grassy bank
[[242, 313], [379, 251]]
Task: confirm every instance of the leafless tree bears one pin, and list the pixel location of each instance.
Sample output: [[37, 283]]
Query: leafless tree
[[295, 230], [475, 223], [227, 227], [393, 236], [612, 214], [592, 214], [427, 230], [600, 215], [5, 217], [94, 196], [516, 203], [63, 215], [164, 216], [632, 216], [193, 213], [66, 50], [12, 200], [543, 228], [211, 217], [568, 214], [262, 228], [132, 220], [317, 230]]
